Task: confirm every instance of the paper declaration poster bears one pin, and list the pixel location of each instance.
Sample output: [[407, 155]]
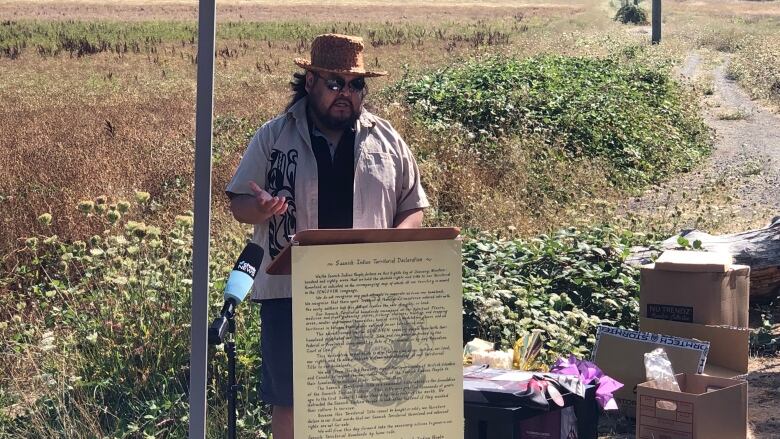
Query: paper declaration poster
[[377, 340]]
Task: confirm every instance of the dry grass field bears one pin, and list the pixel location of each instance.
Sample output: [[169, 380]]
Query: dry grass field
[[72, 125], [97, 100], [265, 10]]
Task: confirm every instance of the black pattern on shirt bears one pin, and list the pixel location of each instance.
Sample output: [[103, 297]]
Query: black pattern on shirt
[[281, 182]]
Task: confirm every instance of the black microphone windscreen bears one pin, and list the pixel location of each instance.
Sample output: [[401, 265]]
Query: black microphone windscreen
[[250, 259]]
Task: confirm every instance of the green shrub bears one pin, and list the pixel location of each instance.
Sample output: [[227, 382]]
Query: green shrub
[[565, 284], [631, 13], [637, 118]]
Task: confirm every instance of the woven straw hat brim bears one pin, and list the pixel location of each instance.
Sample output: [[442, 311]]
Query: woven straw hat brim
[[306, 64]]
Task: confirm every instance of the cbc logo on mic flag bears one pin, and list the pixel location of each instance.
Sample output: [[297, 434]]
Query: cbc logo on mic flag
[[247, 268]]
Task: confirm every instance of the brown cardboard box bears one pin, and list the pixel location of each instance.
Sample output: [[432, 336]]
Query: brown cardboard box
[[681, 260], [729, 347], [620, 353], [704, 297], [706, 408]]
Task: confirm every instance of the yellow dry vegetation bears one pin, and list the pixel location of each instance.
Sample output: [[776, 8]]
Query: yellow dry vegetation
[[74, 128]]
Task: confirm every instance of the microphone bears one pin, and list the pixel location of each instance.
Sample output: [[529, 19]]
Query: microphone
[[238, 285]]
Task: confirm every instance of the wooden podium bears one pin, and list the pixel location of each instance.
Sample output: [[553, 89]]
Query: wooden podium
[[377, 328], [283, 263]]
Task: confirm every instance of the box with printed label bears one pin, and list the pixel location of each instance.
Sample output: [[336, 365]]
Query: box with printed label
[[705, 408], [688, 293], [620, 353]]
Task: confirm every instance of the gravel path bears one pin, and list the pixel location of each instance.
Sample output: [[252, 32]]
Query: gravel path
[[691, 66], [746, 147], [737, 187]]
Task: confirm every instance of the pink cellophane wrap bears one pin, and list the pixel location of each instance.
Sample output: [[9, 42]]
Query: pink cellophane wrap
[[589, 372]]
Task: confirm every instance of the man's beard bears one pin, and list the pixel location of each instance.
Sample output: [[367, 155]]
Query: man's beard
[[336, 123]]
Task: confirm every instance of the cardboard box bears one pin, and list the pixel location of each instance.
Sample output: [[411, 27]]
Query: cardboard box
[[703, 297], [620, 353], [681, 260], [729, 347], [706, 408]]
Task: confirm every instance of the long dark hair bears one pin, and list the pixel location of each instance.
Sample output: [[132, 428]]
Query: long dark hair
[[298, 88]]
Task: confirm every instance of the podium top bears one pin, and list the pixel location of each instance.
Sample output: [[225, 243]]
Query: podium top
[[282, 265]]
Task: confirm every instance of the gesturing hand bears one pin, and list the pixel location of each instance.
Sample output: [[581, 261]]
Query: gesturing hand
[[267, 204]]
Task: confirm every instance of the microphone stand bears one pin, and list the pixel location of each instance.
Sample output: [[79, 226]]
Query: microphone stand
[[232, 387], [224, 329]]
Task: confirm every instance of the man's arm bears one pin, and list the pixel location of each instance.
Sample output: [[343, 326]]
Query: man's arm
[[408, 219], [254, 209], [410, 196]]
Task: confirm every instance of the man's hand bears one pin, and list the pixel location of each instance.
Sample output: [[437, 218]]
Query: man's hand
[[267, 204], [254, 209]]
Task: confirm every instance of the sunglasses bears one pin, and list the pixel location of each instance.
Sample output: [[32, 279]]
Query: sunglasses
[[337, 84]]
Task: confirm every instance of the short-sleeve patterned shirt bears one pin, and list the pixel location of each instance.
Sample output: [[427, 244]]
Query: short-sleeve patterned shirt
[[280, 159]]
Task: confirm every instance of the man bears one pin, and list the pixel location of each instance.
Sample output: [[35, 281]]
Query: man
[[325, 162]]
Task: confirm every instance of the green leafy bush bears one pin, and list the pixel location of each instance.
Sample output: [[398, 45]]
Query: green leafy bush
[[565, 284], [637, 118], [631, 13]]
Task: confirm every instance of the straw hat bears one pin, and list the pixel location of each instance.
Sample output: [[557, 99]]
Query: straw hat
[[336, 53]]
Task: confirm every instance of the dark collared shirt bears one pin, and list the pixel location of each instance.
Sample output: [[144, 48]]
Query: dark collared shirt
[[336, 178]]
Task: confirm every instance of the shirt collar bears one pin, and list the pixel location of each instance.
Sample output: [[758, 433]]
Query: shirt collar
[[366, 119], [298, 110]]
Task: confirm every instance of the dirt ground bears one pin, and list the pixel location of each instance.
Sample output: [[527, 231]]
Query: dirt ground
[[261, 10], [763, 397]]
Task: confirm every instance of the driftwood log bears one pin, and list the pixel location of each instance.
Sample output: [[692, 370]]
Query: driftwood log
[[760, 249]]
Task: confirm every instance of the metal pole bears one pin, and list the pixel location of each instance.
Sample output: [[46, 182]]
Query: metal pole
[[207, 12], [656, 21]]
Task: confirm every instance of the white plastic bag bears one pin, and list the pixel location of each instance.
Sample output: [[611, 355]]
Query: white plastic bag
[[658, 368]]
